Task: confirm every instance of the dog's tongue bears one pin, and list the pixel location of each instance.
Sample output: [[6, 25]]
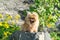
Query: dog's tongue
[[32, 19]]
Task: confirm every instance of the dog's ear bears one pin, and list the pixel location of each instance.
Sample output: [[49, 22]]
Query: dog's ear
[[35, 13], [28, 13]]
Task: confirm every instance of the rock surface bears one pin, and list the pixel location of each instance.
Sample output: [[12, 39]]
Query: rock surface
[[18, 35], [13, 6]]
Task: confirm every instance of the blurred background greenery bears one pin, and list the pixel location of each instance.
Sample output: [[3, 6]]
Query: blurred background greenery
[[48, 11], [7, 27]]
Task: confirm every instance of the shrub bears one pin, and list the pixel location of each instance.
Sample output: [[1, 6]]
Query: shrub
[[49, 12], [7, 27]]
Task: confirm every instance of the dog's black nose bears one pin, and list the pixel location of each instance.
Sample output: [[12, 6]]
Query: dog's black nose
[[29, 1]]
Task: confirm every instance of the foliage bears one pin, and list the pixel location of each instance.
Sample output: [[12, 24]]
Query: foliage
[[55, 35], [7, 27], [48, 12]]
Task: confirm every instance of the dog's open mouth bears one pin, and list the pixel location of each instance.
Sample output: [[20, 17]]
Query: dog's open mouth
[[32, 21]]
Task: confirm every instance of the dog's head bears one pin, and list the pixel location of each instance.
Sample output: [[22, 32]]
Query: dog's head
[[31, 17]]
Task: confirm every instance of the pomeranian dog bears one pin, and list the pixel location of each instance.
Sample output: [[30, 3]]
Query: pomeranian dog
[[31, 22]]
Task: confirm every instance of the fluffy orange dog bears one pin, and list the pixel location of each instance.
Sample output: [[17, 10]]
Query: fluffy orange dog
[[31, 22]]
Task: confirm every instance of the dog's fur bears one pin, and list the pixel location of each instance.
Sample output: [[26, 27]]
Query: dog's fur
[[31, 22]]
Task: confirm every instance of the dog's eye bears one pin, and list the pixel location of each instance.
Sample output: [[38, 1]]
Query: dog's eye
[[31, 18]]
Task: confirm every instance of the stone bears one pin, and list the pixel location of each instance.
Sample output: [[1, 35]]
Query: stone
[[13, 6], [19, 35]]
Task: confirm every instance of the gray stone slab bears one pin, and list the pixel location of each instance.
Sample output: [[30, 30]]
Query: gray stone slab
[[19, 35]]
